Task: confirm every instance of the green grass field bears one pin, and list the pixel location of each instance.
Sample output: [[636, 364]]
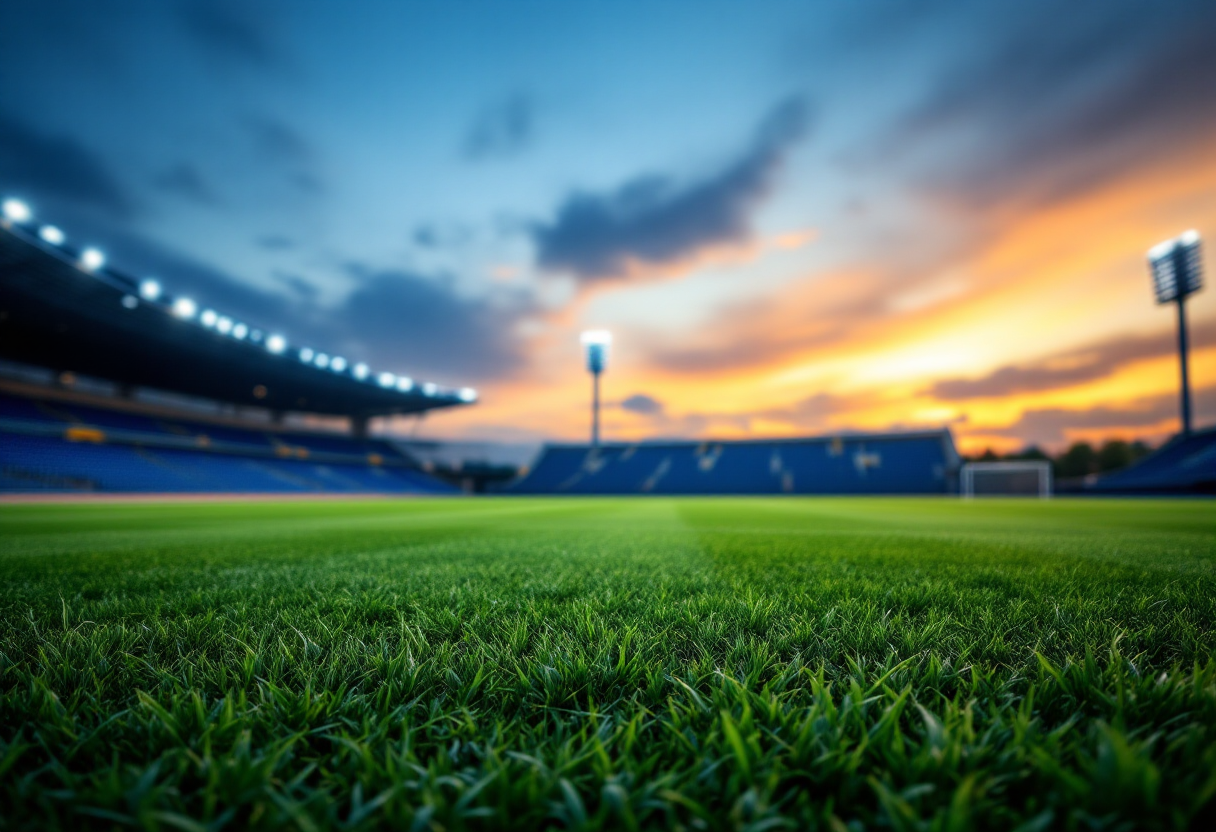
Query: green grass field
[[685, 663]]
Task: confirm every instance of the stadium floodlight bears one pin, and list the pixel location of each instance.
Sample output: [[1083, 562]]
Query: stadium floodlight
[[149, 289], [405, 384], [276, 344], [467, 394], [337, 364], [386, 379], [429, 389], [51, 234], [306, 354], [1177, 271], [16, 211], [361, 371], [256, 335], [129, 301], [184, 308], [596, 343], [322, 360], [223, 325], [92, 259], [240, 331], [208, 318]]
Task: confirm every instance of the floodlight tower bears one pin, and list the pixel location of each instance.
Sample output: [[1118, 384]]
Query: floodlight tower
[[596, 343], [1178, 273]]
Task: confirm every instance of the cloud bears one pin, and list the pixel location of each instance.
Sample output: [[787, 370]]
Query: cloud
[[275, 242], [1067, 369], [302, 288], [422, 324], [655, 222], [1071, 96], [502, 130], [643, 404], [58, 166], [281, 144], [233, 31], [1052, 425], [185, 180]]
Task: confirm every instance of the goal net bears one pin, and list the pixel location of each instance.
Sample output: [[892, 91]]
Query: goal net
[[1027, 478]]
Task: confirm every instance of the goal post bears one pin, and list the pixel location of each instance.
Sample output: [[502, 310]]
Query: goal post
[[1010, 478]]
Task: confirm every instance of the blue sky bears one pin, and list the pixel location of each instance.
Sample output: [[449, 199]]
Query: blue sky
[[454, 189]]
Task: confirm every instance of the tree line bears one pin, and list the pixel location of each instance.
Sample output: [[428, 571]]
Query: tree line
[[1080, 459]]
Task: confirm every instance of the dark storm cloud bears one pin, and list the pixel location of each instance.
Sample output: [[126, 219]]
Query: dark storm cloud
[[185, 180], [1069, 96], [58, 166], [1067, 369], [643, 404], [1050, 425], [232, 30], [655, 221], [420, 323], [501, 130]]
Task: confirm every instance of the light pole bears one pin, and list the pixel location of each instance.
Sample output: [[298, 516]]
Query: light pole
[[596, 343], [1178, 273]]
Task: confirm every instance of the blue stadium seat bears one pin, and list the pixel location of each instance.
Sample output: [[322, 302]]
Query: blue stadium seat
[[912, 463]]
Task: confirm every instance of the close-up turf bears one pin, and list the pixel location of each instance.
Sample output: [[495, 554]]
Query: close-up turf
[[609, 663]]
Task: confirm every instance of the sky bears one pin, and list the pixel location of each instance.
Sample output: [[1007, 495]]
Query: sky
[[795, 217]]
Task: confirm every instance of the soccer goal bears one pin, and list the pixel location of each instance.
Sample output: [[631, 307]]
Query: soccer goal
[[1027, 478]]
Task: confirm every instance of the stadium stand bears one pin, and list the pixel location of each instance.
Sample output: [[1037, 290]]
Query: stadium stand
[[909, 463], [66, 314], [48, 444], [1184, 465]]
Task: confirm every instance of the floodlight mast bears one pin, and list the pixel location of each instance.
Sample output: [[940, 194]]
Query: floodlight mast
[[1177, 271], [596, 343]]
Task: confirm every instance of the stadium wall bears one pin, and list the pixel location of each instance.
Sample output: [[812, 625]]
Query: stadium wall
[[895, 463]]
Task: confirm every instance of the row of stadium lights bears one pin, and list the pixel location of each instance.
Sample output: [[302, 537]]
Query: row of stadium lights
[[91, 260]]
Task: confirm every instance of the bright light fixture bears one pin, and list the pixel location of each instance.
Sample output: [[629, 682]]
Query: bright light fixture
[[467, 394], [240, 331], [184, 308], [430, 389], [52, 235], [92, 259], [16, 211], [149, 289], [386, 379], [208, 318], [322, 360], [338, 364], [223, 325], [276, 344], [306, 354], [130, 301], [596, 336], [361, 371], [405, 384]]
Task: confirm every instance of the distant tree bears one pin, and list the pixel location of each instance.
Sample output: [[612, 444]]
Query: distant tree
[[1078, 461], [1113, 455], [987, 456], [1031, 452]]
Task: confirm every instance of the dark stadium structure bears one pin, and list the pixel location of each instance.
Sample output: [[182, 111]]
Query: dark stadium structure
[[1184, 465], [55, 312], [63, 310], [907, 463]]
